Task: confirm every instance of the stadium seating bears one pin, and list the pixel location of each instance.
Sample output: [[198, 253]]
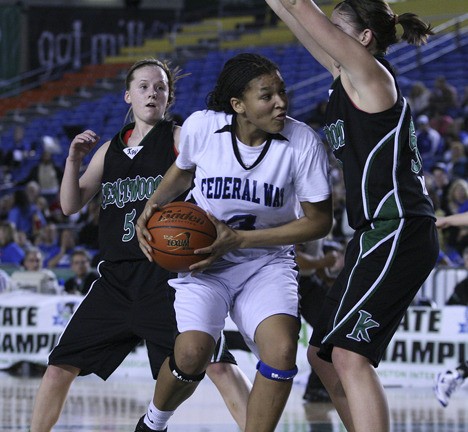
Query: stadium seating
[[104, 110]]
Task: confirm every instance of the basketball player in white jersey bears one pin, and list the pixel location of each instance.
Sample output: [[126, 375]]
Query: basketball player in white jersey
[[263, 178]]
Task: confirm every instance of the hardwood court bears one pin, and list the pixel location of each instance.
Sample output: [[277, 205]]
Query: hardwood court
[[116, 405]]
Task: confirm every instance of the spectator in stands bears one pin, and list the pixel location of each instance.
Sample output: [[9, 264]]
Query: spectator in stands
[[418, 98], [443, 123], [18, 153], [442, 183], [430, 143], [43, 205], [444, 97], [25, 215], [446, 383], [34, 276], [6, 204], [10, 251], [47, 174], [23, 240], [6, 283], [32, 190], [47, 241], [457, 198], [67, 245], [456, 159], [84, 274]]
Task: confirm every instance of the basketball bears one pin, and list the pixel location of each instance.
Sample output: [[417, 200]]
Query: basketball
[[177, 229]]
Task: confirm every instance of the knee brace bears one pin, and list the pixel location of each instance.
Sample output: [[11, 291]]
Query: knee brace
[[181, 376], [276, 374]]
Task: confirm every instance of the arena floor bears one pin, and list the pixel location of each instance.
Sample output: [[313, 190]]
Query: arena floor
[[117, 404]]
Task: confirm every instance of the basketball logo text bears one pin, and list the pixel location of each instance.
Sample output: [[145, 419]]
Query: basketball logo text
[[180, 241], [169, 215]]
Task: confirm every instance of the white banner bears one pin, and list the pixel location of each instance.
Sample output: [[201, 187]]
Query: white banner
[[30, 325], [428, 340]]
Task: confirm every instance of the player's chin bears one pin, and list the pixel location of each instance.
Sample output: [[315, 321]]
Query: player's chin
[[277, 124], [153, 116]]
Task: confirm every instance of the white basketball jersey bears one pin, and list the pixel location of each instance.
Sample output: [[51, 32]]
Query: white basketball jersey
[[253, 187]]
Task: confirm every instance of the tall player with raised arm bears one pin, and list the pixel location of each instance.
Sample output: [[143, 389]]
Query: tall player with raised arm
[[371, 132]]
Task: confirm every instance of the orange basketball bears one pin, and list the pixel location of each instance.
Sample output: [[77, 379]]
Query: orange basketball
[[177, 230]]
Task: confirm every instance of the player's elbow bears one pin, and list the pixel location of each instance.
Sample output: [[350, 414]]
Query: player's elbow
[[68, 210], [320, 218], [325, 227]]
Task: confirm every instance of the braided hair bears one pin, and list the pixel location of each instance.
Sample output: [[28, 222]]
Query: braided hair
[[234, 80], [377, 16]]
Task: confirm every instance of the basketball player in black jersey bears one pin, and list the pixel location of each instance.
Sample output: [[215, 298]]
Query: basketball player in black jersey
[[131, 300], [394, 247]]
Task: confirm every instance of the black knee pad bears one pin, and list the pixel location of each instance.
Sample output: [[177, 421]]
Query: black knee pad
[[181, 376]]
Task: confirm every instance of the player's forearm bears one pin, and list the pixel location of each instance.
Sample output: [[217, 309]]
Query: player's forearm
[[301, 32], [70, 195], [298, 231], [175, 182], [456, 220]]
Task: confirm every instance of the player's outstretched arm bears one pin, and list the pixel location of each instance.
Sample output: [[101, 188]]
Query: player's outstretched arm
[[76, 190], [302, 34], [456, 220]]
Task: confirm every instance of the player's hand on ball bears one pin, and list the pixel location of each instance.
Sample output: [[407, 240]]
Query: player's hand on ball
[[82, 144], [144, 236], [227, 240]]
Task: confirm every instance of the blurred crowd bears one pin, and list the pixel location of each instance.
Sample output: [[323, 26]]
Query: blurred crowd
[[33, 226]]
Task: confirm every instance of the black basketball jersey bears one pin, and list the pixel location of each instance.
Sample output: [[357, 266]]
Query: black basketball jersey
[[131, 174], [381, 164]]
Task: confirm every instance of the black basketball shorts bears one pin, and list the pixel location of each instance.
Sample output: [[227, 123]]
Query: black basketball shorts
[[385, 266], [130, 302]]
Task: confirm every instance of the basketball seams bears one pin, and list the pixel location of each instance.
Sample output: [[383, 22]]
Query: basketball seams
[[184, 229], [173, 254]]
